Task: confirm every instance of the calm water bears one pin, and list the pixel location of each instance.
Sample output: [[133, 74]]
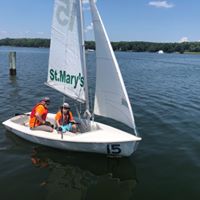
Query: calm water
[[165, 94]]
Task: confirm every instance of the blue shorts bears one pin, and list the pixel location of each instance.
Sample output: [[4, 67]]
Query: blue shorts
[[67, 127]]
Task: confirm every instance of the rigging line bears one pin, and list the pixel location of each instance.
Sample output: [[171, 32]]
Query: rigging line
[[62, 116], [91, 103]]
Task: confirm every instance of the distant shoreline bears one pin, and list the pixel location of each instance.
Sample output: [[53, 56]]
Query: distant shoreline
[[131, 46], [187, 52]]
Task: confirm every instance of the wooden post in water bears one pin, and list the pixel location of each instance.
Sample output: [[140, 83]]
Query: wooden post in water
[[12, 63]]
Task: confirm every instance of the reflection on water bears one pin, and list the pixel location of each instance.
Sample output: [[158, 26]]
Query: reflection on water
[[78, 176]]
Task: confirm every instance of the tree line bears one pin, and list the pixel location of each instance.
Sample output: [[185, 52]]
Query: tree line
[[117, 46], [25, 42]]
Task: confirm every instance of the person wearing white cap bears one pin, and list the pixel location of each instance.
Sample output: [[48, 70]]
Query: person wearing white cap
[[65, 120]]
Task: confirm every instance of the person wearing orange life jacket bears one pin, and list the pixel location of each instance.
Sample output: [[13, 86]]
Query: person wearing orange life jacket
[[65, 120], [38, 116]]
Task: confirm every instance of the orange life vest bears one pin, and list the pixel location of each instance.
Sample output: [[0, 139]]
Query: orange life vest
[[64, 119], [33, 120]]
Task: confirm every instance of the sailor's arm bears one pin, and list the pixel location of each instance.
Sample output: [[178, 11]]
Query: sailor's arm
[[39, 118]]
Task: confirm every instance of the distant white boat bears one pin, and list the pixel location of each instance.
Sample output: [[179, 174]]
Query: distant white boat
[[67, 74], [160, 52], [90, 50]]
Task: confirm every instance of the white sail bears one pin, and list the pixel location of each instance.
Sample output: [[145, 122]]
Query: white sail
[[66, 60], [111, 98]]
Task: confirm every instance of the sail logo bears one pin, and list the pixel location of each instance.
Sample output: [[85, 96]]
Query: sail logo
[[65, 13], [63, 77]]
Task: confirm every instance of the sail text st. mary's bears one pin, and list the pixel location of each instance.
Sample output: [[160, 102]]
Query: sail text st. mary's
[[64, 77]]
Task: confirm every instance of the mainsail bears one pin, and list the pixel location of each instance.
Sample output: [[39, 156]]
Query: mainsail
[[66, 60], [111, 98]]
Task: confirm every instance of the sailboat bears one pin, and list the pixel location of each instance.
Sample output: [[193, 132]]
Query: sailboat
[[67, 73]]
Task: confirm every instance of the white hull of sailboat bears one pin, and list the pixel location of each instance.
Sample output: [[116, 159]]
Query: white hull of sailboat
[[101, 139]]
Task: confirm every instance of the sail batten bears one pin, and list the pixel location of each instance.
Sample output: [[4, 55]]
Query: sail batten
[[111, 98]]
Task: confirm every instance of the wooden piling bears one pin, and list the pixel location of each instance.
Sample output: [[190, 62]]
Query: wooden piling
[[12, 63]]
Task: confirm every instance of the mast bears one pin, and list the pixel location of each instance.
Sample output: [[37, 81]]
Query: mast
[[87, 109]]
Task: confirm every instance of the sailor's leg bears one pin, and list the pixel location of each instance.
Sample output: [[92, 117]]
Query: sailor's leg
[[43, 128]]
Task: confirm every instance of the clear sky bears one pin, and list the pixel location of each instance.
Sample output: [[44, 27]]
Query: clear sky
[[125, 20]]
